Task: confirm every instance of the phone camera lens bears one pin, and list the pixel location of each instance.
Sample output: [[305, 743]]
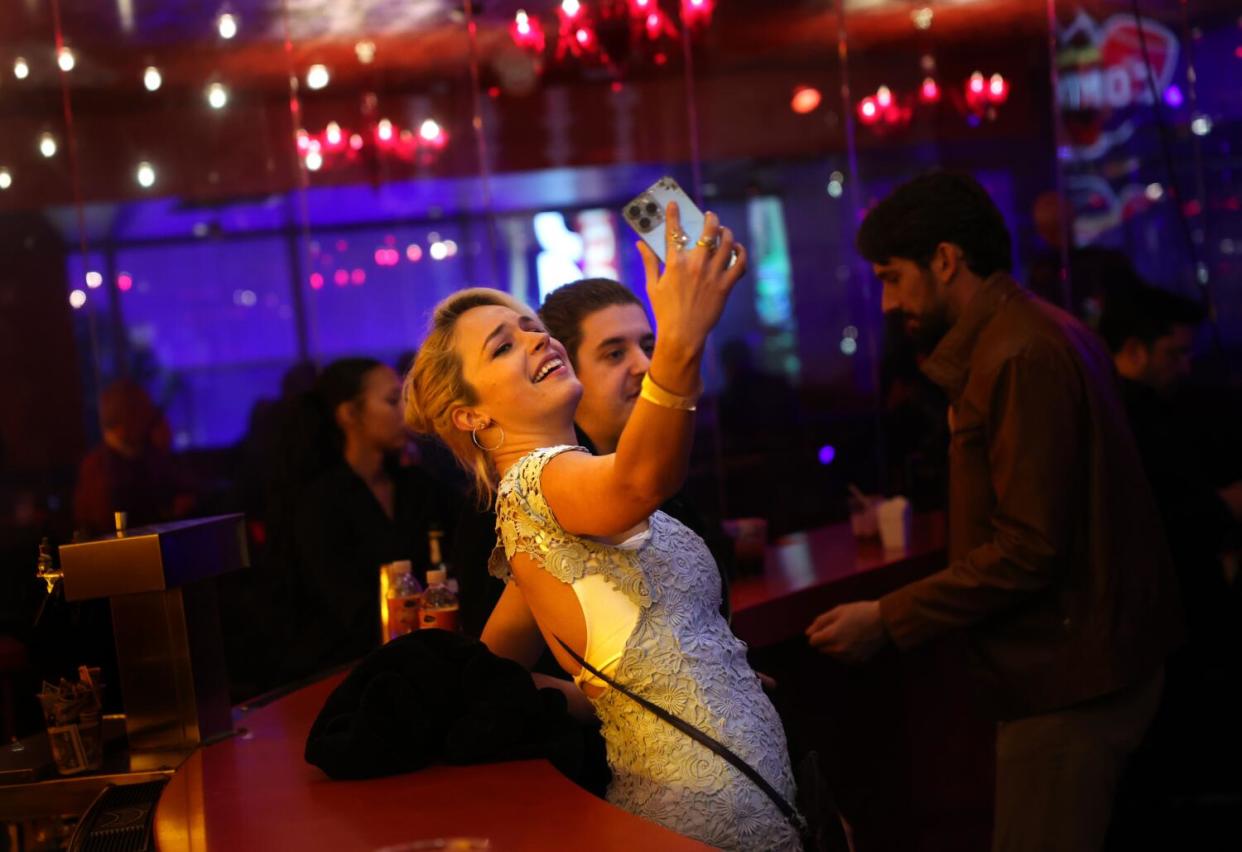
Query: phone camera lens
[[644, 223], [652, 208], [634, 211]]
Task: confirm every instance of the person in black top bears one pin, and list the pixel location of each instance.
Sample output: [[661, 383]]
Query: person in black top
[[609, 339], [1151, 333], [1188, 443], [354, 507]]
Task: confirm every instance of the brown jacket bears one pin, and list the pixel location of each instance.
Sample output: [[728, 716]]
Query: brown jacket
[[1058, 567]]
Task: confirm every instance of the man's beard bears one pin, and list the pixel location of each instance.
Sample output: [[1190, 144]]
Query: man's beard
[[925, 333]]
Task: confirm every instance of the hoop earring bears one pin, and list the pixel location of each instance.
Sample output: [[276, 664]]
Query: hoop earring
[[474, 436]]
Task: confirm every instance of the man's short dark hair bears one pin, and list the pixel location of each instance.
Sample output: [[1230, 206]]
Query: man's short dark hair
[[566, 307], [940, 207], [1146, 313]]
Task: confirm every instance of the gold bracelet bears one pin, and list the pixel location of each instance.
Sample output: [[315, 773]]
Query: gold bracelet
[[657, 395]]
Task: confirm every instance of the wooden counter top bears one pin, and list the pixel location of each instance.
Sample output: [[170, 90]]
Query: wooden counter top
[[809, 572], [254, 791]]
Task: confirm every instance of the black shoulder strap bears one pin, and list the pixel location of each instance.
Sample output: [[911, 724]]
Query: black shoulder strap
[[694, 733]]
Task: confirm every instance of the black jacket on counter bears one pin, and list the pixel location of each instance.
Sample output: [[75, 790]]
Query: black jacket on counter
[[437, 697]]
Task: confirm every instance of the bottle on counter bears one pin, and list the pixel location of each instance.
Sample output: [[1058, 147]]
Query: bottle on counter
[[439, 603], [435, 541], [402, 594]]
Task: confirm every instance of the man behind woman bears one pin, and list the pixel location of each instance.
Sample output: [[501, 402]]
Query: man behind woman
[[590, 561]]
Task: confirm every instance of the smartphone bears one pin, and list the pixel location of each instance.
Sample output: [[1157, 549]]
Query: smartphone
[[646, 214]]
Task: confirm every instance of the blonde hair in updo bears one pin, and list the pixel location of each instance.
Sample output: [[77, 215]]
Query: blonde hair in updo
[[436, 384]]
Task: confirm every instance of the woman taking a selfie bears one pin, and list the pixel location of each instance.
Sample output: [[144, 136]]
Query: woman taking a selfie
[[593, 570]]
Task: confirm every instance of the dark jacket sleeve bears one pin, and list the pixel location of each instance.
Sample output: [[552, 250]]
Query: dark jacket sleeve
[[1035, 432]]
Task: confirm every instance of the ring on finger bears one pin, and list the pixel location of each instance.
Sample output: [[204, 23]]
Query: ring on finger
[[709, 244], [681, 238]]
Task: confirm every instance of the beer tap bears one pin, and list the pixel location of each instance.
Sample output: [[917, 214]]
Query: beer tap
[[47, 572]]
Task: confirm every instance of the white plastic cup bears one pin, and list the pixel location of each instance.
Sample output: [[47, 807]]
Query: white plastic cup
[[894, 518], [863, 521]]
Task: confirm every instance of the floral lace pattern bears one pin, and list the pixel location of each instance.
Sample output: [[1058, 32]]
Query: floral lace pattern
[[682, 657]]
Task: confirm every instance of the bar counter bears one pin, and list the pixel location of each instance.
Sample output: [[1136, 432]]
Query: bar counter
[[807, 573], [254, 791]]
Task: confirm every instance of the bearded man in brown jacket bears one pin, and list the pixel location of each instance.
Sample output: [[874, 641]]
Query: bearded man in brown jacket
[[1058, 570]]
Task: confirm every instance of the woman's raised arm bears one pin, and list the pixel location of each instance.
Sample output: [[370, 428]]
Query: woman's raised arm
[[610, 495]]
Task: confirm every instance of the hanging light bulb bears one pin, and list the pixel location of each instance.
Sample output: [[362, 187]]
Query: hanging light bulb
[[332, 133], [314, 160], [226, 25], [527, 32], [868, 111], [575, 35], [317, 77], [65, 59], [6, 179], [217, 96], [152, 78], [145, 175], [47, 145], [977, 91], [998, 89], [20, 69], [697, 13], [805, 99], [430, 130]]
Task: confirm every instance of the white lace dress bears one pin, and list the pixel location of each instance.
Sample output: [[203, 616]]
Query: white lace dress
[[681, 656]]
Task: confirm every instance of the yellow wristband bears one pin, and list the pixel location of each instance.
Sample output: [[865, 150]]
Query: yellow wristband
[[657, 395]]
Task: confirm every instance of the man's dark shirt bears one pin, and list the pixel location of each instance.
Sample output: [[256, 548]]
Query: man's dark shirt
[[1058, 568]]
